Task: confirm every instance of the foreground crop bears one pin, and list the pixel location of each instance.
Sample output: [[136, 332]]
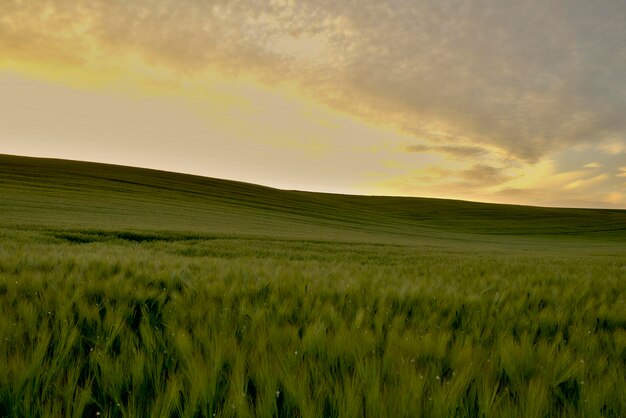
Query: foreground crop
[[124, 326]]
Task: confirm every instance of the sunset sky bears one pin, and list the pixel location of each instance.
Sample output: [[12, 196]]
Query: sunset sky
[[500, 101]]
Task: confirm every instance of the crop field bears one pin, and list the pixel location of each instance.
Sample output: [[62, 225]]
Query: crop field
[[129, 292]]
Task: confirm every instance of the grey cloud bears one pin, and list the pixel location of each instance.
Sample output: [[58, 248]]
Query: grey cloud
[[483, 175], [455, 151], [530, 77], [527, 77], [418, 148], [477, 176]]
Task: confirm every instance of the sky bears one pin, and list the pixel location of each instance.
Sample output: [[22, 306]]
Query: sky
[[502, 101]]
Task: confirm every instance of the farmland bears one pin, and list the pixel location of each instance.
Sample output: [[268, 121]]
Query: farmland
[[132, 292]]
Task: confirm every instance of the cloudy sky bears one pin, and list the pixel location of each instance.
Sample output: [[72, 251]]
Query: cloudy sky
[[500, 101]]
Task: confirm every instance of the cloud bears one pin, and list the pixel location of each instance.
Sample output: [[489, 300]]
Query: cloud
[[431, 174], [475, 71], [614, 147], [594, 164], [560, 199], [452, 150], [484, 175], [586, 183], [475, 177]]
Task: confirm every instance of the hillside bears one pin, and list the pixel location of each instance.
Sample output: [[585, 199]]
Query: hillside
[[72, 195], [133, 292]]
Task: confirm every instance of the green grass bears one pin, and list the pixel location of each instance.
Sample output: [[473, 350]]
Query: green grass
[[130, 292], [70, 194]]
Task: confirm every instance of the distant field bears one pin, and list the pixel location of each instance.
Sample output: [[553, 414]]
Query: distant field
[[78, 195], [131, 292]]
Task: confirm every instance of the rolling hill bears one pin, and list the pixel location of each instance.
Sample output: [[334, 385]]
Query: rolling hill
[[101, 198]]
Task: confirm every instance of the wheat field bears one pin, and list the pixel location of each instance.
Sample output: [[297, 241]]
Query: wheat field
[[131, 293]]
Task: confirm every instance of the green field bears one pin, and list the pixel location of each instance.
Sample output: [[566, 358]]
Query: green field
[[132, 292]]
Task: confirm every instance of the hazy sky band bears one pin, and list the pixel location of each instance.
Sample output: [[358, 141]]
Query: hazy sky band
[[502, 101]]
